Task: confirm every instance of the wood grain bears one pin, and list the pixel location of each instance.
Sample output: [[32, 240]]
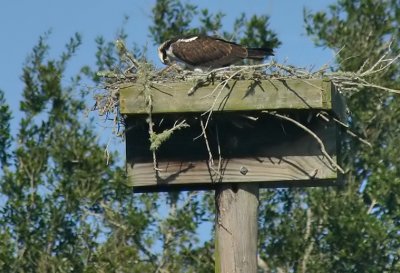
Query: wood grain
[[238, 95], [272, 151], [268, 171], [236, 228]]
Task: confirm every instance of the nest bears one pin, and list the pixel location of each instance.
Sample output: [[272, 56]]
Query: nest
[[132, 70]]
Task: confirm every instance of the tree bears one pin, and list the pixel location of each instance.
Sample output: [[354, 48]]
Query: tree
[[57, 179], [64, 209], [5, 136], [353, 228], [171, 18], [365, 212]]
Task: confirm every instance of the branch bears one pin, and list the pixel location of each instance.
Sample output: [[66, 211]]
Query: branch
[[223, 84], [262, 264], [354, 84], [157, 139], [151, 130], [371, 207], [325, 116], [168, 237], [123, 52], [171, 232], [310, 246], [210, 156], [321, 144]]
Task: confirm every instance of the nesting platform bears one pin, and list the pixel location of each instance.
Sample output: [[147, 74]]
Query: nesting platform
[[247, 144]]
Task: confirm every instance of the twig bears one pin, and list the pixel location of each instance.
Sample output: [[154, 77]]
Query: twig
[[349, 84], [262, 264], [171, 233], [345, 126], [321, 144], [210, 156], [225, 82], [219, 151], [310, 246], [121, 48], [211, 159], [372, 205], [380, 61], [107, 152], [210, 110], [158, 139], [151, 132]]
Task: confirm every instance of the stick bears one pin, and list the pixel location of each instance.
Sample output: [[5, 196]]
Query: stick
[[346, 127], [321, 144]]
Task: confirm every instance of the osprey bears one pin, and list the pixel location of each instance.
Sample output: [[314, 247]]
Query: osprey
[[200, 52]]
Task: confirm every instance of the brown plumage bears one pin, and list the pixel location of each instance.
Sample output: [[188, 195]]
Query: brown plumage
[[207, 52]]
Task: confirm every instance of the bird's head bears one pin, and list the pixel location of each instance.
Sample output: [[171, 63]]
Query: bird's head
[[162, 52]]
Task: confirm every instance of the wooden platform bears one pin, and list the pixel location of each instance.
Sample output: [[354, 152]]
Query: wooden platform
[[249, 146]]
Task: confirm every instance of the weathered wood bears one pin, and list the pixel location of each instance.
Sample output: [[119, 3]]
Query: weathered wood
[[236, 228], [273, 153], [242, 95], [268, 171]]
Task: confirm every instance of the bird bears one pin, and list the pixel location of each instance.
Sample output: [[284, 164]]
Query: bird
[[202, 52]]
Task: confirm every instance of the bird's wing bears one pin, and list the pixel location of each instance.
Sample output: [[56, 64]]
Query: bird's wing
[[208, 51]]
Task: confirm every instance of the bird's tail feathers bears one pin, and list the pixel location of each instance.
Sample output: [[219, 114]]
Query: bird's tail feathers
[[259, 53]]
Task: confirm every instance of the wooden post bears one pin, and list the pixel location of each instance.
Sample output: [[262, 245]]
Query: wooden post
[[236, 228]]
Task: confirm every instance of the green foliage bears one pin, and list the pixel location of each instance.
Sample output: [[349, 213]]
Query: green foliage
[[210, 22], [354, 228], [5, 136], [171, 18], [364, 29], [256, 32], [66, 211], [358, 225], [58, 179]]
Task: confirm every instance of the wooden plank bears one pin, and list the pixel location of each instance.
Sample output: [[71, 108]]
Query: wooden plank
[[338, 104], [236, 228], [238, 95], [213, 186], [268, 171]]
